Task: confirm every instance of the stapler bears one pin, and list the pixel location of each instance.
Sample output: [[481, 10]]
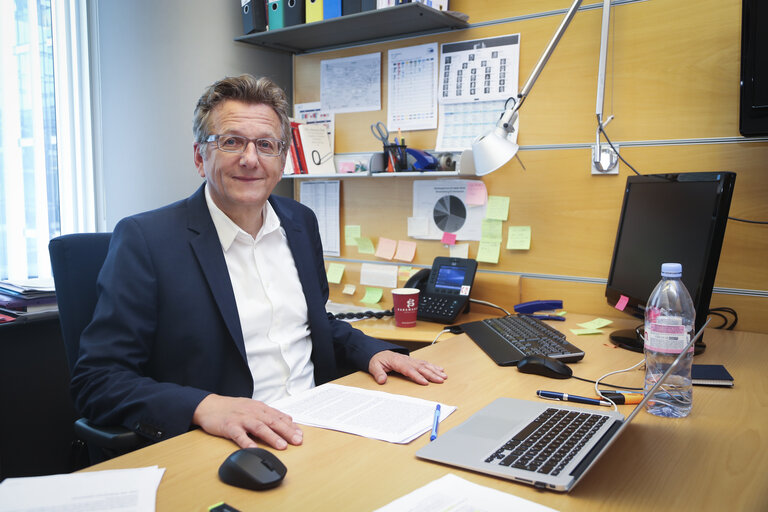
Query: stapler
[[420, 160], [530, 309]]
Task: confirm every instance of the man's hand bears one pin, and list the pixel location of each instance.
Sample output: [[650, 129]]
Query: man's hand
[[236, 418], [421, 372]]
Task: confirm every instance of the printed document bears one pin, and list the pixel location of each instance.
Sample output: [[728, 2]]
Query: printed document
[[373, 414]]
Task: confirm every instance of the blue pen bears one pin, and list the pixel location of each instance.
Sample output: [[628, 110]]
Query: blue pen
[[565, 397], [435, 422]]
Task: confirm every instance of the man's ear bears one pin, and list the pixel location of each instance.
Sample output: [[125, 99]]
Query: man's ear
[[198, 149]]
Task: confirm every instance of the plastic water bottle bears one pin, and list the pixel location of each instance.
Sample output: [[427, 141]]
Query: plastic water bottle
[[669, 325]]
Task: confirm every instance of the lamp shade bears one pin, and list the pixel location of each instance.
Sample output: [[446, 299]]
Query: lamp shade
[[492, 150]]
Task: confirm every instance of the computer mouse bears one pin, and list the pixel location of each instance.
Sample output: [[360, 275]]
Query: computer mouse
[[252, 468], [545, 366]]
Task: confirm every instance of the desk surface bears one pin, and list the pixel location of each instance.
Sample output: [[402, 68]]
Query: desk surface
[[716, 459]]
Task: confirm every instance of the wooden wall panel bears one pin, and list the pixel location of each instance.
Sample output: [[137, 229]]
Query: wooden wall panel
[[673, 75]]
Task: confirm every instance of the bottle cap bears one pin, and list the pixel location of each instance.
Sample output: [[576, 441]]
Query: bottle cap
[[671, 270]]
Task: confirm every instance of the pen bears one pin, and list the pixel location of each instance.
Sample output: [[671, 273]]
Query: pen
[[547, 317], [565, 397], [435, 422]]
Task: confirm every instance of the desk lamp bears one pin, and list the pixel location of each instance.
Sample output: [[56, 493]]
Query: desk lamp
[[495, 148]]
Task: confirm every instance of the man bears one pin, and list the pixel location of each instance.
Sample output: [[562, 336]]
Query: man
[[214, 305]]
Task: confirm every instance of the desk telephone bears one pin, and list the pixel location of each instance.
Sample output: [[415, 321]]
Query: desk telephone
[[444, 288]]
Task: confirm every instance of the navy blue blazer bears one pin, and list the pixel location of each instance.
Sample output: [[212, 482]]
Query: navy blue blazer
[[166, 331]]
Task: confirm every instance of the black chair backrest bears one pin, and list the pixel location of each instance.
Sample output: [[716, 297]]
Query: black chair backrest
[[76, 261]]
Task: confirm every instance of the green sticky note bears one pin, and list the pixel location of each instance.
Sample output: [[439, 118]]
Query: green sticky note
[[488, 252], [491, 231], [519, 238], [584, 332], [334, 272], [597, 323], [351, 234], [372, 295], [497, 208], [365, 246]]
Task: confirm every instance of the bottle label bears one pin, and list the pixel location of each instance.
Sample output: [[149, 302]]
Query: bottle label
[[667, 334]]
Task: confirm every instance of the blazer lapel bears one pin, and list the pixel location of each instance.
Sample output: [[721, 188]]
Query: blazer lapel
[[207, 248]]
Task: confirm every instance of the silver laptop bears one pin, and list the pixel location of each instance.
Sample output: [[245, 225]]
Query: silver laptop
[[514, 439]]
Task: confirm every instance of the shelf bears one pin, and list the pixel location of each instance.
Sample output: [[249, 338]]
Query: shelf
[[405, 20]]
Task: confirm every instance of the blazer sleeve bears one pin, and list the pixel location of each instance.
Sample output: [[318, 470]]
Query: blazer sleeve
[[111, 382]]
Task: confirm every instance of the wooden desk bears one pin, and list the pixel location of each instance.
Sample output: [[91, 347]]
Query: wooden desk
[[716, 459]]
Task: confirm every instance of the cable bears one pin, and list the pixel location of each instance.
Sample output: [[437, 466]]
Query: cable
[[719, 312], [748, 221], [602, 130], [597, 382], [477, 301], [440, 334], [606, 384]]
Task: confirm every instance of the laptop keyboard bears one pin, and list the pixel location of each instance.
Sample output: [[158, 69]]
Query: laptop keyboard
[[548, 443]]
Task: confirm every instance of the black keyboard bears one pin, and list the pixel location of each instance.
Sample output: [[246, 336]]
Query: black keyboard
[[548, 443], [509, 339]]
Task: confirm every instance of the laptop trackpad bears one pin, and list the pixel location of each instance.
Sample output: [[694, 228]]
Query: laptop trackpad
[[485, 426]]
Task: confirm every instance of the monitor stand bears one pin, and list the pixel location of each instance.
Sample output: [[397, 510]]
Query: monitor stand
[[629, 339]]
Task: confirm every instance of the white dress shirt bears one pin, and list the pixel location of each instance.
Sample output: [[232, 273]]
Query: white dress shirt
[[270, 304]]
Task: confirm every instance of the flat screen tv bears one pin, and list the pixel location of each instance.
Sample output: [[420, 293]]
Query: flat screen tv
[[668, 218]]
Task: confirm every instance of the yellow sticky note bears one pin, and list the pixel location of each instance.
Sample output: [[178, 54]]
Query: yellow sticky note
[[519, 238], [403, 272], [491, 231], [597, 323], [386, 248], [497, 208], [365, 246], [351, 234], [335, 272], [488, 252], [372, 295], [584, 332], [405, 250], [459, 251], [349, 289]]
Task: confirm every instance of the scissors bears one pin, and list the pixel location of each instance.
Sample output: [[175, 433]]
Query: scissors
[[380, 131]]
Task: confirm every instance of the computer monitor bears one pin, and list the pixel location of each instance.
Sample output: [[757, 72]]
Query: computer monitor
[[668, 218]]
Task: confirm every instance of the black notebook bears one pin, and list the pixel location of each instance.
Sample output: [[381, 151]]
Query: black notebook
[[710, 375]]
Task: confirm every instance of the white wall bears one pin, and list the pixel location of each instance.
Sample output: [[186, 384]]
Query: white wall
[[151, 61]]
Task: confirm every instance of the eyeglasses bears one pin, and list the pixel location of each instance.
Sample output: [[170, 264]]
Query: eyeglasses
[[266, 146]]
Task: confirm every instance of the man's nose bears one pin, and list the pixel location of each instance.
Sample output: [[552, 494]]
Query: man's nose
[[250, 155]]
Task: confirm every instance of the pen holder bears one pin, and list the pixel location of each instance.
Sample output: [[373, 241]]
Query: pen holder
[[396, 157]]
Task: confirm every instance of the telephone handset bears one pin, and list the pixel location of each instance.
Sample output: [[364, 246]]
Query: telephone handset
[[444, 289]]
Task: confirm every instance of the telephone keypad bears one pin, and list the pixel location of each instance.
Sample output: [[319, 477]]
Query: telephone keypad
[[440, 307]]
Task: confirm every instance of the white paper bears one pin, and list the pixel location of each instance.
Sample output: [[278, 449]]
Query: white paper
[[351, 84], [480, 70], [123, 490], [461, 123], [373, 414], [312, 113], [323, 198], [372, 274], [412, 88], [458, 495], [430, 198], [317, 149]]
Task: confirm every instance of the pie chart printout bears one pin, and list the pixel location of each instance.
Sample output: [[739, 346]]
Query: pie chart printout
[[449, 214]]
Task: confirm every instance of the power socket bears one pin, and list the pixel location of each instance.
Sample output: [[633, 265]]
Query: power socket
[[608, 158]]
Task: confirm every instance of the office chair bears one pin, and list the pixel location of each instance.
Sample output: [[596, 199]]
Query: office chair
[[76, 261]]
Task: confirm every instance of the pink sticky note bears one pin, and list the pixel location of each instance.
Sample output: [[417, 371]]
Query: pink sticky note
[[449, 238], [346, 167], [622, 302], [405, 250], [477, 194], [386, 248]]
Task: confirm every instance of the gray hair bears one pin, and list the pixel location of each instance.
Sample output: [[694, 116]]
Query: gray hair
[[247, 89]]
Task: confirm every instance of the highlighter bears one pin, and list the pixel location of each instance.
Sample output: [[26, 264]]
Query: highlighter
[[623, 398]]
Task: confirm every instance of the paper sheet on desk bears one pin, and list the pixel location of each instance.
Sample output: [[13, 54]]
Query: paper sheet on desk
[[126, 490], [373, 414], [458, 495]]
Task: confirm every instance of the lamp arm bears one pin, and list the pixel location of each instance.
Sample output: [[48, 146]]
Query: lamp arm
[[547, 54]]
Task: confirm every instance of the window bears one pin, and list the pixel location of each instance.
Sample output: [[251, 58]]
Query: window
[[45, 151]]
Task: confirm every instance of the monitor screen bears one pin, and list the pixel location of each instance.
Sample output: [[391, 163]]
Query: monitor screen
[[669, 218]]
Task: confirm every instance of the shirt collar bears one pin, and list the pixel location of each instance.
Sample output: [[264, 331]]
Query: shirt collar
[[228, 231]]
